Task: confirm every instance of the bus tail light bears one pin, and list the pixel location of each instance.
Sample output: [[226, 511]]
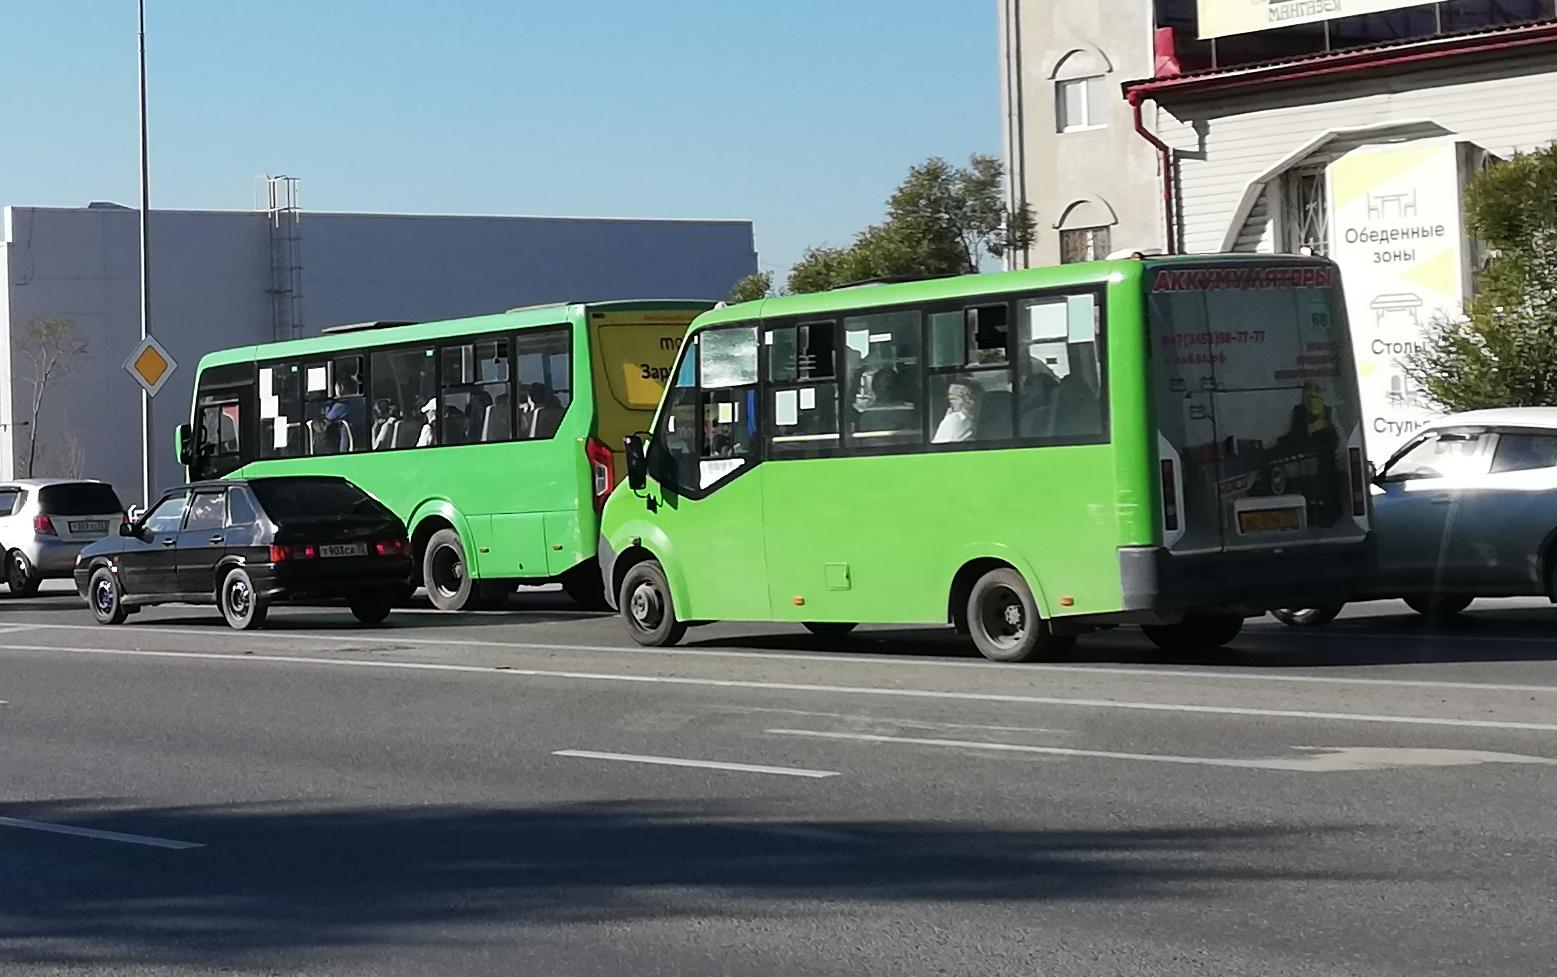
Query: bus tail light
[[1359, 482], [43, 526], [296, 551], [1170, 497], [602, 469]]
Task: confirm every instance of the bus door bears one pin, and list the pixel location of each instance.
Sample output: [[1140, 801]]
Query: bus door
[[705, 492], [225, 423], [1259, 430]]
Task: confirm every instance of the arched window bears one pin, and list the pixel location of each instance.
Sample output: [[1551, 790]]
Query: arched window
[[1080, 91], [1086, 230]]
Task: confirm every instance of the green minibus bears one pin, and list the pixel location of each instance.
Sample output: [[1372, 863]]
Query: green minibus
[[1030, 455], [489, 436]]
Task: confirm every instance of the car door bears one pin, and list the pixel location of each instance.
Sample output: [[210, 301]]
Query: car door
[[202, 542], [150, 566], [1416, 507], [1503, 519]]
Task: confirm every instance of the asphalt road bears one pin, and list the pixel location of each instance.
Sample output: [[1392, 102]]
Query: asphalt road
[[508, 793]]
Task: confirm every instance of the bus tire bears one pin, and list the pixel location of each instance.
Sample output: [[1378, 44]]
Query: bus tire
[[647, 608], [1306, 617], [1197, 632], [829, 629], [445, 573], [1004, 622], [1439, 608]]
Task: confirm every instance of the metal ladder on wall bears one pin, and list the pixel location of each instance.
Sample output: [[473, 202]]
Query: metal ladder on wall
[[280, 202]]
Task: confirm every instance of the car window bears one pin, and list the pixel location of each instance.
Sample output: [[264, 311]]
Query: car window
[[79, 499], [205, 512], [240, 509], [168, 516], [1443, 454], [313, 498], [1525, 452], [8, 501]]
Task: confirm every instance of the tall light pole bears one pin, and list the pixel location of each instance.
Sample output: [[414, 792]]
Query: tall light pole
[[145, 273]]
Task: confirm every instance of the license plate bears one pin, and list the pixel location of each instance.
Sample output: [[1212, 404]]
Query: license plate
[[1269, 521], [344, 549], [99, 526]]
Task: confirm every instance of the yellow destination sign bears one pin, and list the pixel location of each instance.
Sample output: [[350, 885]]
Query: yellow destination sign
[[150, 365], [1219, 18]]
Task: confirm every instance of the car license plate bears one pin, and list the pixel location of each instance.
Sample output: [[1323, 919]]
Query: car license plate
[[1269, 521], [99, 526], [344, 549]]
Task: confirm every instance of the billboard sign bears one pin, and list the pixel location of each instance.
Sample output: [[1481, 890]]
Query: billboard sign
[[1397, 233], [1219, 18]]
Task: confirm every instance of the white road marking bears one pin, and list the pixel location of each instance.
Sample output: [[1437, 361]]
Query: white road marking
[[13, 628], [803, 687], [897, 721], [1319, 760], [665, 761], [65, 829], [356, 641]]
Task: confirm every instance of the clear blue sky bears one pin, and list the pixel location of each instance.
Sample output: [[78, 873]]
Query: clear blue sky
[[800, 115]]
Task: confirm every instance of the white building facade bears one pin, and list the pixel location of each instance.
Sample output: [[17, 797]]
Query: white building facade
[[223, 279], [1345, 135]]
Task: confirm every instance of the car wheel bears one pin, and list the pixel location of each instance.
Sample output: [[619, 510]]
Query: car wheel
[[1004, 622], [445, 573], [20, 575], [829, 629], [647, 607], [373, 608], [243, 609], [103, 597], [1306, 617], [1439, 607], [1198, 632]]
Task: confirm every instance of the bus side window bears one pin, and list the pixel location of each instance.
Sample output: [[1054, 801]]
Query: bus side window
[[1059, 369], [543, 362], [281, 410], [885, 406], [404, 386], [802, 397]]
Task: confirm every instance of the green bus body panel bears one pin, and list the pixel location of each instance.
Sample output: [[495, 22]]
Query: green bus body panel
[[522, 508]]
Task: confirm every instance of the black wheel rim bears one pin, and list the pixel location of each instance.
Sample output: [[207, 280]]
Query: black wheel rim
[[103, 597], [646, 607], [240, 600], [1003, 617], [16, 574], [448, 571]]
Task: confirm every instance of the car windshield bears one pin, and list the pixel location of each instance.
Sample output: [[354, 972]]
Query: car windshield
[[285, 499], [79, 499]]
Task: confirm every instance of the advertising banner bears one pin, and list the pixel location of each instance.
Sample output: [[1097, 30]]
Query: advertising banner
[[1218, 18], [1396, 232]]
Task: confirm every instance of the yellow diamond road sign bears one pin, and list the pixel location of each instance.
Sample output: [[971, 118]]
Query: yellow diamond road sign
[[150, 365]]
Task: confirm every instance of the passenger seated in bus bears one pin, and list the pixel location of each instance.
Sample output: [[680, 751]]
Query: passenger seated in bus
[[1035, 396], [1077, 409], [386, 422], [542, 414], [429, 435], [961, 414], [881, 403], [348, 411], [499, 422]]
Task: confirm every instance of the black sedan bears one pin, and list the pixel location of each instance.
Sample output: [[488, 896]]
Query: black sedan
[[245, 544]]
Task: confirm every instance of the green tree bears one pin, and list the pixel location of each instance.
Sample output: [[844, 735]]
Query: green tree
[[942, 220], [751, 288], [1503, 352]]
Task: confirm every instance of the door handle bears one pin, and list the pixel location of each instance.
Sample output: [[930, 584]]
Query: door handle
[[169, 540], [218, 538]]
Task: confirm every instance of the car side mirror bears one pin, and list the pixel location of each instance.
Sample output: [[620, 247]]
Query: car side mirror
[[637, 464], [184, 444], [127, 529]]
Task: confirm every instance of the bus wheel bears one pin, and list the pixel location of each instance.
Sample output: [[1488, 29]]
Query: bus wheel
[[445, 572], [646, 606], [1306, 617], [1004, 622], [1197, 632], [829, 629]]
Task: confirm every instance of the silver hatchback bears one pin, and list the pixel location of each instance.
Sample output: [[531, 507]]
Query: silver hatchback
[[1466, 509], [45, 522]]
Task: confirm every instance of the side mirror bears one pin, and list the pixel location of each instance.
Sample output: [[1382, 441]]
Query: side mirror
[[184, 444], [637, 464], [127, 528]]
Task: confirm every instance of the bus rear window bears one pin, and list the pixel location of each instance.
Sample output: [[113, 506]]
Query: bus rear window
[[637, 359]]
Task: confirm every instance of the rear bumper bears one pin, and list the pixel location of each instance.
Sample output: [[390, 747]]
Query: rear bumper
[[1155, 580], [52, 558], [325, 579]]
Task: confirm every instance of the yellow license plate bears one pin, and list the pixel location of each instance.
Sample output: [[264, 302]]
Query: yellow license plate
[[1269, 521]]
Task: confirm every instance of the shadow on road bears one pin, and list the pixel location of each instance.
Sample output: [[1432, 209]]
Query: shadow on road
[[271, 879]]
